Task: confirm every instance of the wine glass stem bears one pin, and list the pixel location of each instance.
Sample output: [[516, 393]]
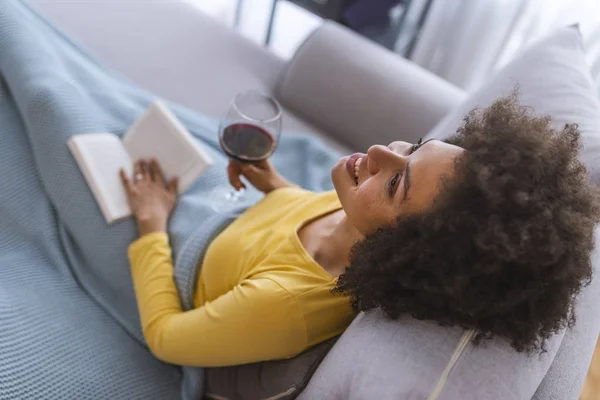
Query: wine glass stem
[[235, 195]]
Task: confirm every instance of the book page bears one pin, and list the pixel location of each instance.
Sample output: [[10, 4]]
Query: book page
[[100, 157], [158, 134]]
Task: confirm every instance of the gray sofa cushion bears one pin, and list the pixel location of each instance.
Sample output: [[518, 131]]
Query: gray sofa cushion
[[381, 359]]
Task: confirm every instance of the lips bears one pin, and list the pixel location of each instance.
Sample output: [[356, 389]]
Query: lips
[[351, 163]]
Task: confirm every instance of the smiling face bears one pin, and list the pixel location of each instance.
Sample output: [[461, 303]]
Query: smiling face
[[390, 181]]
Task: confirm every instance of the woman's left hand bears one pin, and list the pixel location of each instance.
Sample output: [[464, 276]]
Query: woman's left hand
[[151, 199]]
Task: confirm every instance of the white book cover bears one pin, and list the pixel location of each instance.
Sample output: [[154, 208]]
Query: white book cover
[[156, 134]]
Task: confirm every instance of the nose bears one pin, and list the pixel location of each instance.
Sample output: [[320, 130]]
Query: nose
[[379, 157]]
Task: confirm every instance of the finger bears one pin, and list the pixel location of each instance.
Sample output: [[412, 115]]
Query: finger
[[251, 171], [146, 170], [157, 170], [264, 164], [137, 168], [152, 171], [173, 185], [234, 172], [126, 181]]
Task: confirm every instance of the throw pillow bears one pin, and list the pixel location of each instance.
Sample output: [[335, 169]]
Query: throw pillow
[[554, 79]]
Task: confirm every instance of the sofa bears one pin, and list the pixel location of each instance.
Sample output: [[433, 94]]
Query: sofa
[[326, 90]]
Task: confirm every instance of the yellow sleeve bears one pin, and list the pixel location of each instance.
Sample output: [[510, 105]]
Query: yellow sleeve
[[257, 320]]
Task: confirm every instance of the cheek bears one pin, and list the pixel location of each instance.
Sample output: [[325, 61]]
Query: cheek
[[366, 209], [364, 196]]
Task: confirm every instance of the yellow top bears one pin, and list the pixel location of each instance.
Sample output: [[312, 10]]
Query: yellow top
[[260, 296]]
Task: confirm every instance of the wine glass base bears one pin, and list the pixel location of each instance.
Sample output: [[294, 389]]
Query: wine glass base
[[227, 201]]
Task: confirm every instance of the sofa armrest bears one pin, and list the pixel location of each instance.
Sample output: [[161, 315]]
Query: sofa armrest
[[361, 93]]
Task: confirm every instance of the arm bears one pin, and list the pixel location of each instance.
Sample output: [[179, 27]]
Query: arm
[[257, 320]]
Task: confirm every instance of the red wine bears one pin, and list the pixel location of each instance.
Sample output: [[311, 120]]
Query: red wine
[[247, 143]]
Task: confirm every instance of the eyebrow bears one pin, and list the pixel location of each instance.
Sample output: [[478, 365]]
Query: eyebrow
[[407, 172]]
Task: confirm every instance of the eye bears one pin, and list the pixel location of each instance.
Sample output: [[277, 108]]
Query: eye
[[416, 146], [393, 184]]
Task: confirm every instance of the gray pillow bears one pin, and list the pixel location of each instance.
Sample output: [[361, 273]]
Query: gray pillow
[[553, 79], [268, 380]]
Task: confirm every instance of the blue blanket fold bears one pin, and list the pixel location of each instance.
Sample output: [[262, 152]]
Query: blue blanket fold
[[69, 326]]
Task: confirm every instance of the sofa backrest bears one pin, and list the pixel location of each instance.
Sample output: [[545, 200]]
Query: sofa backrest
[[361, 93]]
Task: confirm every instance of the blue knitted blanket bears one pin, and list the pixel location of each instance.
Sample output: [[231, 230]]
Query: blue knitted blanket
[[69, 327]]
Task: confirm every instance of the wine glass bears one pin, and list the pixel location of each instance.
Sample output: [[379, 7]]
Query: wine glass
[[248, 134]]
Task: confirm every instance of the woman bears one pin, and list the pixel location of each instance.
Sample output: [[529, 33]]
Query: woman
[[490, 230]]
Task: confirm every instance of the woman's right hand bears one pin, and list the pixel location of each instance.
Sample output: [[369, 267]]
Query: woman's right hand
[[263, 176]]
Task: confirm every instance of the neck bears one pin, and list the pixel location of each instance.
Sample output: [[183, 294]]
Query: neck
[[336, 239]]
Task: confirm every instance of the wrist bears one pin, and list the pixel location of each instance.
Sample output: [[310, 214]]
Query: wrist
[[151, 225], [280, 183]]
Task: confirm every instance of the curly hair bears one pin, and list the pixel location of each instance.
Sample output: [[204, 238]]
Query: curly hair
[[506, 247]]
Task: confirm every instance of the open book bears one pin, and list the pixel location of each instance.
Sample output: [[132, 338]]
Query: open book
[[156, 134]]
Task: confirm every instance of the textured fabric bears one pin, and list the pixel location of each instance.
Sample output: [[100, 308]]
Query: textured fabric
[[55, 342], [56, 337], [403, 360], [361, 93]]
